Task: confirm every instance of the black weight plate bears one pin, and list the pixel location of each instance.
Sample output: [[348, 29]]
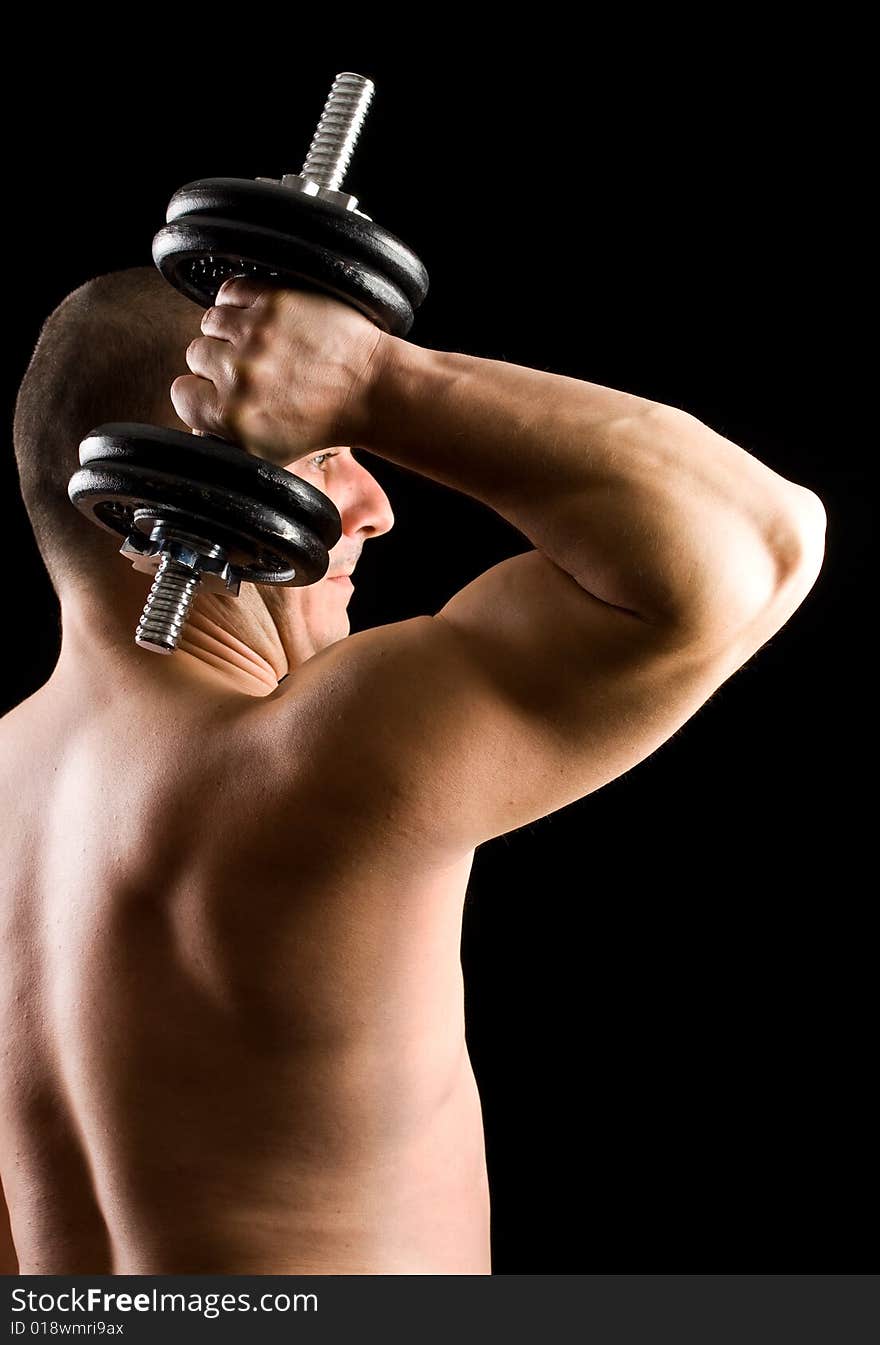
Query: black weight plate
[[283, 550], [214, 462], [180, 249], [268, 205]]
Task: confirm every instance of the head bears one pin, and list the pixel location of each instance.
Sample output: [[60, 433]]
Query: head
[[109, 352]]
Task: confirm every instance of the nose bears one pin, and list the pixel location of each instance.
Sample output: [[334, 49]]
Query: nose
[[363, 506]]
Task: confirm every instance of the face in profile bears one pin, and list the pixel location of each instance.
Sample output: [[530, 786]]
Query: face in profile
[[364, 508], [365, 513]]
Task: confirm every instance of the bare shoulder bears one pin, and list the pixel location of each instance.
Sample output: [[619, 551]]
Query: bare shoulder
[[522, 695], [19, 727]]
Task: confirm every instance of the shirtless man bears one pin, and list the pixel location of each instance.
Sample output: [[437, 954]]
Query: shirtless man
[[231, 997]]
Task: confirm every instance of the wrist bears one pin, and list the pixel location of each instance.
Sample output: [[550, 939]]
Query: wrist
[[392, 367]]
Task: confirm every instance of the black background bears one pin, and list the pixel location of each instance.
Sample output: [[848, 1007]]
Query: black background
[[667, 981]]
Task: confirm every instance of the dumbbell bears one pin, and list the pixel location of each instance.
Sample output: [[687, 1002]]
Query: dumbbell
[[197, 511]]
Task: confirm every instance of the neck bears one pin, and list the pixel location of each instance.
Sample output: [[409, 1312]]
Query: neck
[[214, 646], [229, 648]]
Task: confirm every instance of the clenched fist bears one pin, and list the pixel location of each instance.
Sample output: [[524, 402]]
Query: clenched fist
[[282, 372]]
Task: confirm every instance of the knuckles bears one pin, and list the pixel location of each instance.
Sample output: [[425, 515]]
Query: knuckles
[[238, 380], [225, 322], [191, 348]]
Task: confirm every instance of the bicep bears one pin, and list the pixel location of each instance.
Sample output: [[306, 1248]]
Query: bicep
[[540, 694], [524, 694]]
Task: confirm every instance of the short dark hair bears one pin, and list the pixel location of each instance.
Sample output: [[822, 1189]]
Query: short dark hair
[[109, 352]]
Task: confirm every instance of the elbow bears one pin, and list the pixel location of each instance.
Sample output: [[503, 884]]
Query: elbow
[[760, 584], [806, 527]]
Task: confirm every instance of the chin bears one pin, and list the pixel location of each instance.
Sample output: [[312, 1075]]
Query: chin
[[333, 633]]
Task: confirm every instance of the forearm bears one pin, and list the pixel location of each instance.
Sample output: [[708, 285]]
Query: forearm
[[642, 504]]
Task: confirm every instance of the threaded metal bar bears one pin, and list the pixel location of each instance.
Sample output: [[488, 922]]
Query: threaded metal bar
[[340, 125], [168, 606]]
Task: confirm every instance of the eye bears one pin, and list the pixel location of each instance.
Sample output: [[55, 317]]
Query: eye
[[321, 458]]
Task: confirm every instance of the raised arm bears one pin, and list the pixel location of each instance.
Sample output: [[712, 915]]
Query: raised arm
[[665, 557], [644, 506]]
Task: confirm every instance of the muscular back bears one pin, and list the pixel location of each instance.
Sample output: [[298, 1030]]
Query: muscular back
[[231, 988], [230, 997]]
